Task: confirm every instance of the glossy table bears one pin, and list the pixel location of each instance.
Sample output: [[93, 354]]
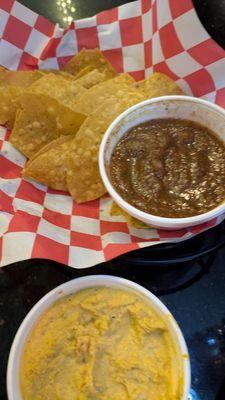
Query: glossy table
[[197, 304]]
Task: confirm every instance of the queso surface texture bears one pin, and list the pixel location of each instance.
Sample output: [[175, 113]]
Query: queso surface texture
[[100, 343]]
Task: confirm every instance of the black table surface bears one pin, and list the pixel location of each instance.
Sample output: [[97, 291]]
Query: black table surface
[[199, 308]]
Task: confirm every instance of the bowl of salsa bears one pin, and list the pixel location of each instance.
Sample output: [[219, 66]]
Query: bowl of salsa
[[163, 161]]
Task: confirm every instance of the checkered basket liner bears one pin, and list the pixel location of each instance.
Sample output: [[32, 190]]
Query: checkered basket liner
[[139, 38]]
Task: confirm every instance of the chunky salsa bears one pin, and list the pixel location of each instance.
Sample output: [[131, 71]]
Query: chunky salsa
[[172, 168]]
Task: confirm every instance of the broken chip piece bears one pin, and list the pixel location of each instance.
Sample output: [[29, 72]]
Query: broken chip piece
[[90, 58], [58, 72], [133, 222], [91, 78], [82, 72]]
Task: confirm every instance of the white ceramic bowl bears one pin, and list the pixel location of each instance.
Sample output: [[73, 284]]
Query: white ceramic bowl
[[183, 107], [74, 286]]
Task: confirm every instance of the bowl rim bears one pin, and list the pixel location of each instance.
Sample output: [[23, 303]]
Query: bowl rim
[[74, 286], [135, 212]]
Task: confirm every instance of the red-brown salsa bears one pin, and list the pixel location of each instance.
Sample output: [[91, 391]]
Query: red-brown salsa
[[170, 167]]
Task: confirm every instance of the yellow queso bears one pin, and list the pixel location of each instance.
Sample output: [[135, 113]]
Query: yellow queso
[[100, 344]]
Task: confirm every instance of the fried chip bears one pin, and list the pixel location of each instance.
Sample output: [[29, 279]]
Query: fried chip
[[41, 120], [157, 85], [92, 58], [48, 166], [9, 96], [135, 223], [64, 90], [12, 85], [91, 78], [82, 72], [19, 78], [59, 88], [64, 74], [98, 94], [83, 177]]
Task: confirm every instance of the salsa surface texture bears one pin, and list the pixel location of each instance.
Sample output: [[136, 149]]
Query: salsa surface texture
[[171, 168]]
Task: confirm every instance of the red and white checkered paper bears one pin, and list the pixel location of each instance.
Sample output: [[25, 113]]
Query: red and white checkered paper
[[139, 38]]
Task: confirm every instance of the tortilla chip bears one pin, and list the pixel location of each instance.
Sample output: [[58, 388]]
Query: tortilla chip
[[41, 120], [19, 78], [64, 90], [82, 72], [98, 94], [135, 223], [48, 166], [91, 78], [3, 68], [158, 85], [9, 96], [90, 58], [64, 74], [83, 177], [59, 88]]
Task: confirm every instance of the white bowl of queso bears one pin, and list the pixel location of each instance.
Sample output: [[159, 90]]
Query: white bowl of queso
[[126, 341], [163, 161]]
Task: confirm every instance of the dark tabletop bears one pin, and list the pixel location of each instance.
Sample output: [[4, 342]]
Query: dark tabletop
[[194, 291]]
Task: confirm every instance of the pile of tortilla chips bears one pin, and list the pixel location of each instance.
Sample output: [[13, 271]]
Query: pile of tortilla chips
[[58, 118]]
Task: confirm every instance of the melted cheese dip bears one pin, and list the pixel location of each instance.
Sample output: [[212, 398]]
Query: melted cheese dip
[[100, 344]]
